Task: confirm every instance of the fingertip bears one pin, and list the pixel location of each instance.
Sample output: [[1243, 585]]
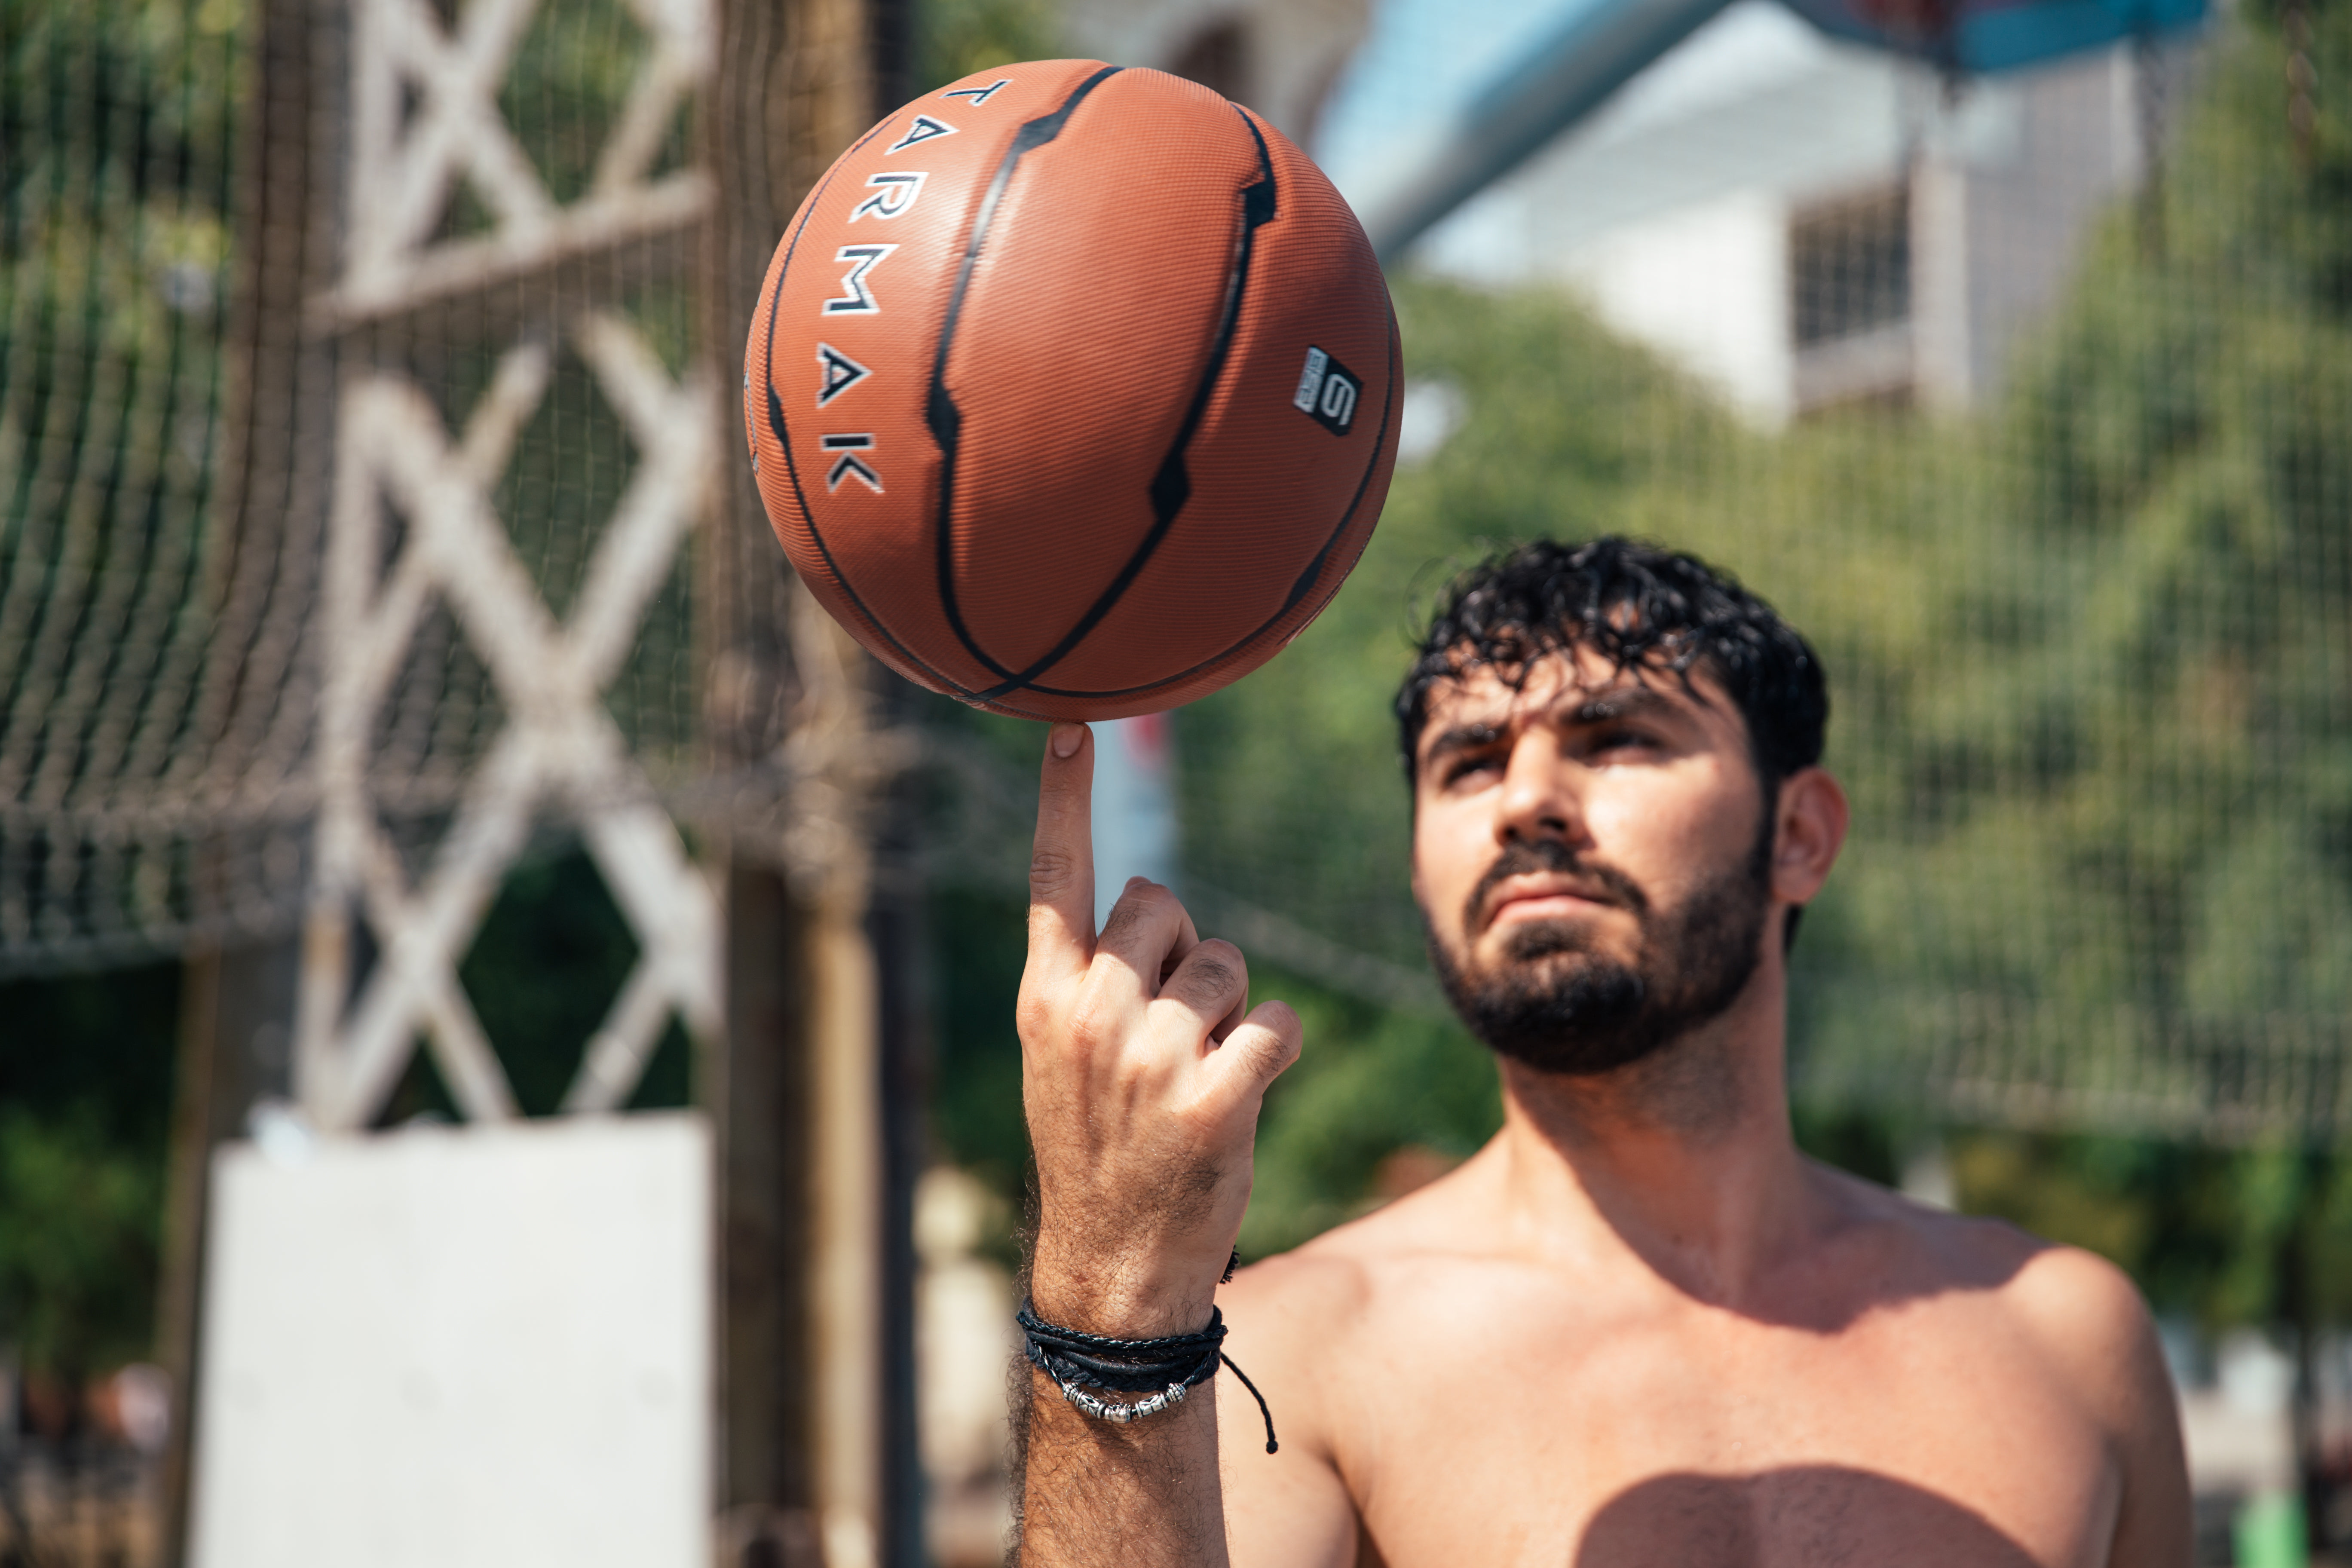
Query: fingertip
[[1065, 739]]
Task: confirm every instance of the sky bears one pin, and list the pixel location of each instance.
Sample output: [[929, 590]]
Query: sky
[[1427, 60], [1423, 61]]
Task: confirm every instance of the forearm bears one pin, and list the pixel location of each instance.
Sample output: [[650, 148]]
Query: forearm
[[1142, 1068], [1094, 1492]]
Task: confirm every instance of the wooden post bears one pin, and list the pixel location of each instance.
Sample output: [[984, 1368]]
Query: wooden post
[[806, 1185], [755, 1083], [897, 929], [236, 1009], [845, 1256]]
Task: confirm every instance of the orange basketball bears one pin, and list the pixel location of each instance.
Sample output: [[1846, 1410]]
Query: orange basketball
[[1073, 391]]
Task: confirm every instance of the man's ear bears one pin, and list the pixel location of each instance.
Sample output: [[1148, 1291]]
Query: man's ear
[[1811, 830]]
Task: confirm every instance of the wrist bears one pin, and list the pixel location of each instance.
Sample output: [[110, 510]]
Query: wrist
[[1103, 1296]]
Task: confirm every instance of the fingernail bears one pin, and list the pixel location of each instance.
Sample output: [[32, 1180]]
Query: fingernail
[[1065, 739]]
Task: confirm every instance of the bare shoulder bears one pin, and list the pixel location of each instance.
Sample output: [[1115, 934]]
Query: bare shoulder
[[2076, 1313], [1355, 1282], [2075, 1299], [1328, 1286], [2024, 1312], [2091, 1332], [2094, 1328], [1318, 1289]]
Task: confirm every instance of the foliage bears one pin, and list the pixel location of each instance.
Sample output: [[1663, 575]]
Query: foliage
[[116, 123], [957, 37], [552, 954], [77, 1248], [976, 952], [85, 1098], [2222, 1236]]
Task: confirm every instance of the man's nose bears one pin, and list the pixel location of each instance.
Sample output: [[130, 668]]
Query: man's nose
[[1538, 797]]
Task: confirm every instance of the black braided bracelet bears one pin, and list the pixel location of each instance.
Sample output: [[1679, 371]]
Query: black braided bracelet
[[1170, 1368]]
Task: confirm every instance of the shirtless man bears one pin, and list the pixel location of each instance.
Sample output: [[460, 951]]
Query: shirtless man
[[1638, 1327]]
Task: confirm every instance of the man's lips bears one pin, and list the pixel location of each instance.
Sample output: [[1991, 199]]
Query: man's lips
[[1538, 898]]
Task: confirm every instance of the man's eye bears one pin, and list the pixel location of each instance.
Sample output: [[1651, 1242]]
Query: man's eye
[[1462, 767], [1617, 740]]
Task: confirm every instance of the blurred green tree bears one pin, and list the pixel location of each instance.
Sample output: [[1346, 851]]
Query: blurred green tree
[[78, 1246], [85, 1097], [957, 37]]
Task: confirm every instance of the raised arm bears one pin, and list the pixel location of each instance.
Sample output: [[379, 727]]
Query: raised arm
[[1141, 1078]]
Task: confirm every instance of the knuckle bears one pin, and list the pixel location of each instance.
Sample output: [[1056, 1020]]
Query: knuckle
[[1223, 959], [1269, 1048], [1034, 1014], [1052, 872], [1138, 906], [1091, 1022], [1120, 923], [1213, 978]]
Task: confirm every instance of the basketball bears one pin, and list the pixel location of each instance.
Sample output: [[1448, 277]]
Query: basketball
[[1073, 391]]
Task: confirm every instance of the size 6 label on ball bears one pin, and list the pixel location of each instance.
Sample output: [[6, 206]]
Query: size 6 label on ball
[[1328, 391]]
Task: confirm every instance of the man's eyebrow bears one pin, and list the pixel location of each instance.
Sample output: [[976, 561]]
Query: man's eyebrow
[[1461, 737], [1624, 701]]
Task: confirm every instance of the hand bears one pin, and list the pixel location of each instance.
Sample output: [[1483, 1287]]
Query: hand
[[1141, 1074]]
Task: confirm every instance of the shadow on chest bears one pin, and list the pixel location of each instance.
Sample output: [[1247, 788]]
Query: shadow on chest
[[1812, 1516]]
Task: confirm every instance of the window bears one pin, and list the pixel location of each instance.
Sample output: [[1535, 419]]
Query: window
[[1850, 267]]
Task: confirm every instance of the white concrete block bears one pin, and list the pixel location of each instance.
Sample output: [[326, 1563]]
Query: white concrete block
[[466, 1348]]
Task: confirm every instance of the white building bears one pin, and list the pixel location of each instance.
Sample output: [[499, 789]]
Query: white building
[[1803, 222]]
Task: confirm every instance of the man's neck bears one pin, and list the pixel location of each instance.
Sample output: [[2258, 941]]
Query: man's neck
[[1685, 1158]]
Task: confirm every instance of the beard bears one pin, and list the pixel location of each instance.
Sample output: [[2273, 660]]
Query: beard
[[1557, 1004]]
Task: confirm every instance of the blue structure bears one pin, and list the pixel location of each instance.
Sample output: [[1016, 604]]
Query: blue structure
[[1595, 46], [1991, 35]]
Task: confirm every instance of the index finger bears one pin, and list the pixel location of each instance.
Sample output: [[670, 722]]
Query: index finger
[[1062, 863]]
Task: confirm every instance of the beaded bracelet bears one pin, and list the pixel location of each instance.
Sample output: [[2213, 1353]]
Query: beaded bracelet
[[1170, 1367]]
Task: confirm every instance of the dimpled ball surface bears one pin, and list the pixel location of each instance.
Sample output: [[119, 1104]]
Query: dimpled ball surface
[[1073, 391]]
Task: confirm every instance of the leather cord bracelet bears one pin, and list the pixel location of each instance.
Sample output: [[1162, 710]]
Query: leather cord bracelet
[[1164, 1368]]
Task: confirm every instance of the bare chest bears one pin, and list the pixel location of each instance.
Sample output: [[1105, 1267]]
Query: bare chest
[[1910, 1441]]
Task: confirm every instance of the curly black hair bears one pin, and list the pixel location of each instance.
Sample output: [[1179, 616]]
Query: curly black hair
[[1635, 605]]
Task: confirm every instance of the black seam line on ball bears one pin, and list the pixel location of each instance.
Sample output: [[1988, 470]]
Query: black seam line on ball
[[783, 440], [1306, 583], [940, 410], [1171, 487]]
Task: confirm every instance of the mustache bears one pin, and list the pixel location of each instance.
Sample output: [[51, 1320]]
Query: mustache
[[1529, 857]]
